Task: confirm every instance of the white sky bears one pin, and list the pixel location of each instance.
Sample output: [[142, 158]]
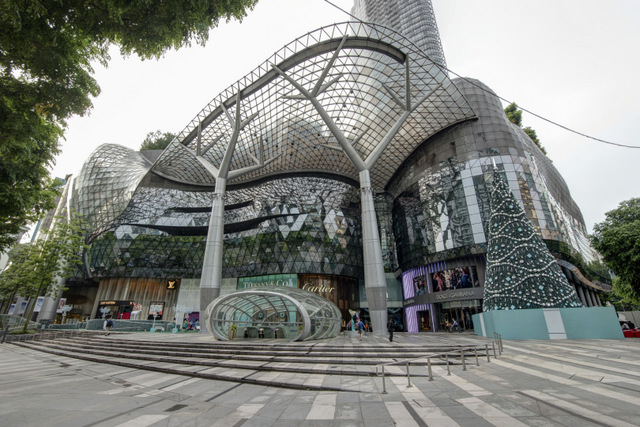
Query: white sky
[[575, 62]]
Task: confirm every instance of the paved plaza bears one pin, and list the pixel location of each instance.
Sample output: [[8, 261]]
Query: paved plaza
[[534, 383]]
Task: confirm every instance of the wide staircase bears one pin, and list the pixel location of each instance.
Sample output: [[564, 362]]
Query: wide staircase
[[319, 365]]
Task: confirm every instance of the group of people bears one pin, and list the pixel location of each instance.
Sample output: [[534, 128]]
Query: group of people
[[190, 325], [452, 325], [458, 278], [628, 325]]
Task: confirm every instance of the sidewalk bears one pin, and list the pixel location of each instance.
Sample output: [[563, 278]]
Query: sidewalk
[[533, 383]]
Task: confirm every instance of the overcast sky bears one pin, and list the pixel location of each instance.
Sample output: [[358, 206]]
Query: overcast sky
[[575, 62]]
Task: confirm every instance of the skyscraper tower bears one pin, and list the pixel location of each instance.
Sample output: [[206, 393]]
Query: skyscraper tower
[[412, 18]]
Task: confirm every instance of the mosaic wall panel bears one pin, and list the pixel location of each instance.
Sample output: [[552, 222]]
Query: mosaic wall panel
[[289, 225], [441, 198], [307, 225]]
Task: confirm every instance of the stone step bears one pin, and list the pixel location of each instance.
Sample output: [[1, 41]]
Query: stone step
[[288, 347], [221, 373], [308, 363], [334, 353], [300, 365]]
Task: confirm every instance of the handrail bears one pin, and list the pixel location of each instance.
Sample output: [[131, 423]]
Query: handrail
[[407, 362]]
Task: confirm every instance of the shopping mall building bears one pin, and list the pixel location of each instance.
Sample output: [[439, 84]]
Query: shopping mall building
[[348, 164]]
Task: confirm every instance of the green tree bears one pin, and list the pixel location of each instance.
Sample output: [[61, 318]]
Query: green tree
[[623, 297], [617, 239], [11, 277], [36, 268], [157, 140], [46, 76], [515, 116]]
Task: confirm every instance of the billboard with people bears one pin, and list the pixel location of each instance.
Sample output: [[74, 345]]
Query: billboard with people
[[457, 278]]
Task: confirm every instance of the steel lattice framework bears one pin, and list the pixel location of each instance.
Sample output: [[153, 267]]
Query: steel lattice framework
[[371, 82], [297, 314], [351, 99]]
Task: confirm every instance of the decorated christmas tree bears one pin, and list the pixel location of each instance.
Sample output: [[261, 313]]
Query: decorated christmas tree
[[521, 272]]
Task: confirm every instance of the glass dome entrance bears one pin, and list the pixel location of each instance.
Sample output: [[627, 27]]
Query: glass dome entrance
[[273, 312]]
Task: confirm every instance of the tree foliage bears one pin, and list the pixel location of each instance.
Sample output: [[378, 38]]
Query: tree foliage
[[46, 76], [515, 116], [617, 239], [623, 297], [36, 267], [157, 140]]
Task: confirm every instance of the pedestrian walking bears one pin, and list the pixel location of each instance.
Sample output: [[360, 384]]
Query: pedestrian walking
[[108, 323], [360, 329], [390, 328]]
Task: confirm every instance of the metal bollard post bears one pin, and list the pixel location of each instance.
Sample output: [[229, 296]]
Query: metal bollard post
[[384, 385], [464, 365], [495, 356], [448, 370], [408, 377], [429, 368], [501, 347], [476, 351], [486, 349]]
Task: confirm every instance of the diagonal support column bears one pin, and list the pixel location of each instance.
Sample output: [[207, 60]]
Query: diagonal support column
[[374, 277], [375, 282], [211, 277]]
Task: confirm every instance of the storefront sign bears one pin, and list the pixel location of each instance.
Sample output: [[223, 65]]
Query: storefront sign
[[473, 293], [409, 302], [289, 280], [444, 296], [317, 289], [455, 295], [113, 302]]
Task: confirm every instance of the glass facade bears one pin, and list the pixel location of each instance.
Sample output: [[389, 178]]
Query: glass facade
[[284, 226], [441, 198], [413, 18], [273, 312], [297, 212]]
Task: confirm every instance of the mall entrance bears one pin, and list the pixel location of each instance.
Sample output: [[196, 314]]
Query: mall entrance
[[462, 311], [424, 322]]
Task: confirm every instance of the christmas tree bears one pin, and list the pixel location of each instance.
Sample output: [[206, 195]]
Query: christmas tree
[[521, 272]]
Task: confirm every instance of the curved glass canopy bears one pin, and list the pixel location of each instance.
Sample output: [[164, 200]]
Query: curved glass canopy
[[273, 312], [368, 80]]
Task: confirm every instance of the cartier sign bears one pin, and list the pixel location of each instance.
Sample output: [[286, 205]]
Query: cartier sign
[[317, 288]]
